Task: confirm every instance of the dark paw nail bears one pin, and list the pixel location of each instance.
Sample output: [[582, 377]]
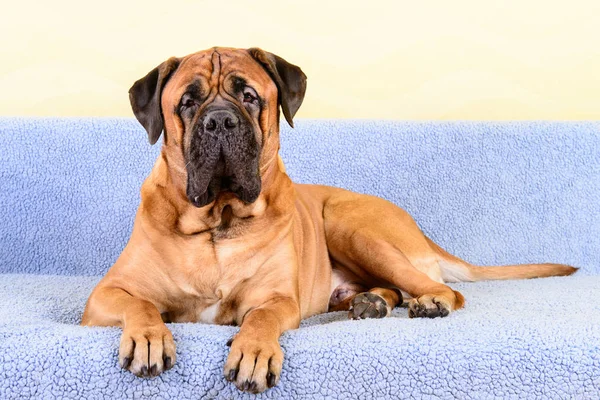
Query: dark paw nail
[[246, 385], [444, 312], [271, 379], [154, 370], [168, 362], [232, 375], [126, 362], [144, 371], [229, 342], [253, 387]]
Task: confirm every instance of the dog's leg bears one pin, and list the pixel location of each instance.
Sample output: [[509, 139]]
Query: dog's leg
[[376, 240], [147, 347], [376, 303], [381, 260], [255, 359]]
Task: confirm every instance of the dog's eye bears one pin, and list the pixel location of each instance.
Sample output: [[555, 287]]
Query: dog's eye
[[249, 97], [187, 102]]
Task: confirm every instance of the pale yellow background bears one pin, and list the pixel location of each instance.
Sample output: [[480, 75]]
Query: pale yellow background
[[472, 59]]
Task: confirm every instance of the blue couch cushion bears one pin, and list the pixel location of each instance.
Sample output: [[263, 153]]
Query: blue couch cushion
[[515, 339]]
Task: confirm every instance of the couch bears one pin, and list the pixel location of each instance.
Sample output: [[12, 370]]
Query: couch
[[492, 193]]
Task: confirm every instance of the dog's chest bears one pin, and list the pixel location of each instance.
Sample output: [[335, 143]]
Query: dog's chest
[[217, 312], [214, 281], [209, 314]]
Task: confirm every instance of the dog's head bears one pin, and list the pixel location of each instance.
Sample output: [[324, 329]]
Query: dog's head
[[219, 110]]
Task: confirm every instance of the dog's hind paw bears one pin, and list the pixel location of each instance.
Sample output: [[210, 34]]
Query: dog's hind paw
[[429, 307], [368, 305]]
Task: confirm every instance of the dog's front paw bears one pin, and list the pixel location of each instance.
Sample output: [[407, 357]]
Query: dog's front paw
[[253, 365], [147, 351]]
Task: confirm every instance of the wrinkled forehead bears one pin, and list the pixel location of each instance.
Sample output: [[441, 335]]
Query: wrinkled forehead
[[212, 68]]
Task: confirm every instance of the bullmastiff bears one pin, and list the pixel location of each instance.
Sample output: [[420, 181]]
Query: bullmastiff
[[223, 236]]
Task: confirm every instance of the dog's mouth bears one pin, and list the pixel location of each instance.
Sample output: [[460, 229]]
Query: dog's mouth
[[223, 164], [219, 184]]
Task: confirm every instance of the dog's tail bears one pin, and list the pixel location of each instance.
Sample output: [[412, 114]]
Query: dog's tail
[[456, 270]]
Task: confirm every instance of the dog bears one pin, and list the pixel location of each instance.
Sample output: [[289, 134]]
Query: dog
[[223, 236]]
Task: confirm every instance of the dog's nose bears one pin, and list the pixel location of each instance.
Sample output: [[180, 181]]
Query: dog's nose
[[220, 121]]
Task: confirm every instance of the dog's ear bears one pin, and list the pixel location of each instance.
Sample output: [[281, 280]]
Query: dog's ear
[[144, 96], [290, 81]]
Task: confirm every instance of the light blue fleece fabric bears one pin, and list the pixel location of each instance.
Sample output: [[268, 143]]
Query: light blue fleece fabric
[[492, 193]]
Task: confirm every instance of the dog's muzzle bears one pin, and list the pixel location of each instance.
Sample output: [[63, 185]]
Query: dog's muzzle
[[223, 156]]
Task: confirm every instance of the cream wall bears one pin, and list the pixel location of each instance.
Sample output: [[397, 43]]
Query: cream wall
[[433, 59]]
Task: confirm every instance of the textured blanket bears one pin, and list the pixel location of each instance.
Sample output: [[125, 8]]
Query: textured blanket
[[492, 193]]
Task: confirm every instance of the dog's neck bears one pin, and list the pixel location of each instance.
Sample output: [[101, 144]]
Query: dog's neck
[[168, 205]]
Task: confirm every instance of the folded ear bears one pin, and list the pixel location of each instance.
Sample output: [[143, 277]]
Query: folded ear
[[290, 81], [144, 96]]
